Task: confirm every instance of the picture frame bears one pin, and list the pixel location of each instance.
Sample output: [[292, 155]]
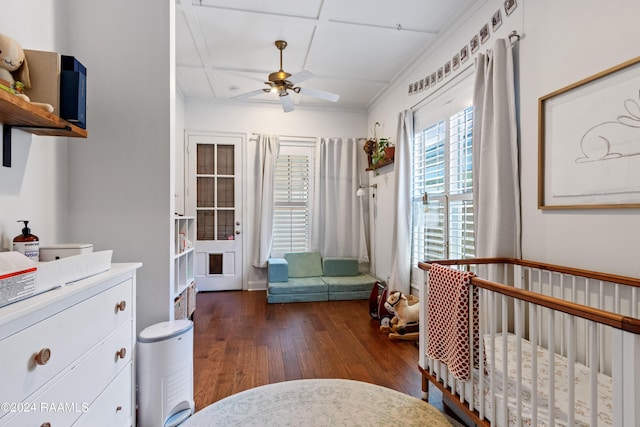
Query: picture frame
[[410, 89], [464, 54], [455, 61], [426, 82], [509, 6], [474, 43], [484, 33], [496, 20], [420, 85], [440, 74], [589, 142], [447, 68], [432, 79]]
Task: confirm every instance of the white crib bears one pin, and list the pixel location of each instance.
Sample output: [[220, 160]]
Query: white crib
[[540, 326]]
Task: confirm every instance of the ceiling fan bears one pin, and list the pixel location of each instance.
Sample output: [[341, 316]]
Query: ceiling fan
[[281, 82]]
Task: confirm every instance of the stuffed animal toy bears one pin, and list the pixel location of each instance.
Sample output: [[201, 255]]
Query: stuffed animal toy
[[13, 64], [404, 312]]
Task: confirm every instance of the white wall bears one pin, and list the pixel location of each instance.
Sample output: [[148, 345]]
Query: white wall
[[562, 42], [35, 187], [566, 42], [206, 116], [121, 178]]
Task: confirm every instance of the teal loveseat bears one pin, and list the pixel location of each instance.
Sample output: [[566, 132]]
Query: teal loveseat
[[306, 276]]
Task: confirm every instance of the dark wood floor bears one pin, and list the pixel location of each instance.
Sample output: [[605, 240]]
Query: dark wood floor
[[241, 342]]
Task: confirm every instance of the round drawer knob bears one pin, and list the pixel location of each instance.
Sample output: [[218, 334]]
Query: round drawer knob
[[45, 425], [122, 353], [43, 356], [121, 305]]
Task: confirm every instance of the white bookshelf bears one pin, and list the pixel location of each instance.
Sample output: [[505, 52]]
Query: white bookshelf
[[184, 254]]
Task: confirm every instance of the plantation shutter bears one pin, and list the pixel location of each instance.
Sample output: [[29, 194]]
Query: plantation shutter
[[442, 190], [291, 222]]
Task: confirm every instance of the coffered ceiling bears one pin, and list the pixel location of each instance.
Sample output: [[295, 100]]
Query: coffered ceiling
[[355, 48]]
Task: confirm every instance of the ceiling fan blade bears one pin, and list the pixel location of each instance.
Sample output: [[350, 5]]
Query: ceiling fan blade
[[327, 96], [249, 94], [287, 103], [300, 77]]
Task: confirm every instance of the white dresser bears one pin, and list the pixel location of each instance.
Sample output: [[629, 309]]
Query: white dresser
[[67, 356]]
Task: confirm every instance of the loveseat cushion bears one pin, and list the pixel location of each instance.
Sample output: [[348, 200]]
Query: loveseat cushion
[[361, 282], [304, 264], [350, 287], [340, 266], [287, 298], [277, 270], [302, 285]]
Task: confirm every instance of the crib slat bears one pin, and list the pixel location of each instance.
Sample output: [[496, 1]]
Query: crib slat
[[518, 311], [593, 372], [505, 358], [551, 353], [492, 356], [481, 384], [533, 338], [571, 355]]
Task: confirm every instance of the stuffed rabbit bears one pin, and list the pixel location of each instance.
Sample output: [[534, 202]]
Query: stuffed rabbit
[[13, 64]]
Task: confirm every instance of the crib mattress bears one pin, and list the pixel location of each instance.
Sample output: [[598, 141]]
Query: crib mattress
[[561, 406]]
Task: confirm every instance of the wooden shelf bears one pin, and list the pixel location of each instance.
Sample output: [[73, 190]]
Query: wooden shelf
[[20, 114], [380, 164]]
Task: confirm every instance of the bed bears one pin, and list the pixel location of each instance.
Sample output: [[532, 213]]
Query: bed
[[512, 342]]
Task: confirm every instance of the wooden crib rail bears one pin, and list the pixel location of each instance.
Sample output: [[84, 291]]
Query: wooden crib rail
[[625, 280], [625, 323]]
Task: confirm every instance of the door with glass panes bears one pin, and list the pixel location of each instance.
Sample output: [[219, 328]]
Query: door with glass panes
[[214, 198]]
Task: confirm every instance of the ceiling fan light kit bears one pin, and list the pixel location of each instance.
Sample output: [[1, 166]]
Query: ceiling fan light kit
[[281, 82]]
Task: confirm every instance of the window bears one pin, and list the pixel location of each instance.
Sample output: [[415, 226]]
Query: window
[[292, 199], [442, 188]]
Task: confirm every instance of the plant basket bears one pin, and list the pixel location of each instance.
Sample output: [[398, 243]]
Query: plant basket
[[389, 152]]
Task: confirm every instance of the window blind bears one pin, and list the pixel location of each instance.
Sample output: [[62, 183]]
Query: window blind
[[291, 219], [442, 188]]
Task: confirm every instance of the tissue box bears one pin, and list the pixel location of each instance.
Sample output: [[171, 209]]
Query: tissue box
[[53, 252]]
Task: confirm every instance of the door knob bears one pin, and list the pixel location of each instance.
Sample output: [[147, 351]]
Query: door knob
[[237, 231]]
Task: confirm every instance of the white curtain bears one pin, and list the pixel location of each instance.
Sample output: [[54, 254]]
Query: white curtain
[[264, 168], [496, 192], [401, 238], [338, 215]]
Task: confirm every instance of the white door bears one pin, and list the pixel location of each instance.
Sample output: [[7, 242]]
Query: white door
[[214, 197]]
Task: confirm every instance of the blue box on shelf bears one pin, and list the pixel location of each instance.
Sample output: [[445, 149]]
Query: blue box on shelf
[[73, 91]]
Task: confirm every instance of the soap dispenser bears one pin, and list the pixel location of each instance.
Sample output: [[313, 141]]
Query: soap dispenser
[[27, 243]]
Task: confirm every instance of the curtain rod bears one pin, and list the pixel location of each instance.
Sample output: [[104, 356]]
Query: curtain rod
[[512, 34]]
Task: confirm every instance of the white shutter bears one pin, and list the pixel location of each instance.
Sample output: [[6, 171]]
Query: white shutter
[[461, 236], [442, 189], [291, 198]]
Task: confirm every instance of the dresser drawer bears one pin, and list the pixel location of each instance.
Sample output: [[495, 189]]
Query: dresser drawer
[[67, 398], [35, 355], [113, 407]]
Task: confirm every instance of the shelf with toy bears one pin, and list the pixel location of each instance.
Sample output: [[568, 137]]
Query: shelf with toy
[[15, 109], [19, 114]]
